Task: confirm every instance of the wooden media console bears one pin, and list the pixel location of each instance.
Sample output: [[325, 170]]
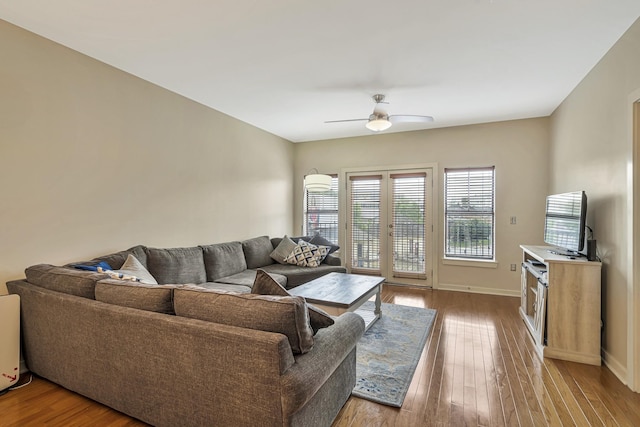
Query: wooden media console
[[561, 303]]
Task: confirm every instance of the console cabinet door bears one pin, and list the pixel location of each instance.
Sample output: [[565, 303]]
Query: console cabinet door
[[540, 313], [523, 290]]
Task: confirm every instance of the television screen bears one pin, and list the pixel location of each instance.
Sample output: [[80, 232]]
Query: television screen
[[564, 221]]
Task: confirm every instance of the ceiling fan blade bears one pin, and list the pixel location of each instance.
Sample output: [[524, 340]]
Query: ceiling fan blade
[[407, 118], [348, 120]]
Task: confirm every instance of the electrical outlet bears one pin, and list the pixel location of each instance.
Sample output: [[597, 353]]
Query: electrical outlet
[[512, 220], [513, 267]]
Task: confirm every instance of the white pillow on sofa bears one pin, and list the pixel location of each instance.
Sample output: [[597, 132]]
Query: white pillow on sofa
[[132, 270]]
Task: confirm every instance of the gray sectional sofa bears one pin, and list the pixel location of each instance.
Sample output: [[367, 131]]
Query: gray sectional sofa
[[198, 348], [223, 266]]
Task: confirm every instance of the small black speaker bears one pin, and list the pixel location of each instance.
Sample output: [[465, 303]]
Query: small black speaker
[[591, 250]]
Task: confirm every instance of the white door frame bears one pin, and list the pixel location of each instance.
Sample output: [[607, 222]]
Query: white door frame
[[633, 269], [342, 202]]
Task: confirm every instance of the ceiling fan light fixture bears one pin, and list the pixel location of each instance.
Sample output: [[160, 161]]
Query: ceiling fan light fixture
[[378, 124], [380, 120]]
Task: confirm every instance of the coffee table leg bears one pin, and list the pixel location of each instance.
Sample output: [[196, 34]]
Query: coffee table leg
[[378, 310]]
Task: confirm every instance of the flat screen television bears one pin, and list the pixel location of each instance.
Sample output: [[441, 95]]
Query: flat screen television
[[564, 222]]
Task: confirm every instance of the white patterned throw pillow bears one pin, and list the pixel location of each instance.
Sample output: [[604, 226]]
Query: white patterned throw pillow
[[307, 255]]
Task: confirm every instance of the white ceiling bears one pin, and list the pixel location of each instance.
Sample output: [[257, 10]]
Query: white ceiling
[[286, 66]]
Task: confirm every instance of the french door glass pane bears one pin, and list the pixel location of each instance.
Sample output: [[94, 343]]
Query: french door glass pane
[[408, 224], [365, 223]]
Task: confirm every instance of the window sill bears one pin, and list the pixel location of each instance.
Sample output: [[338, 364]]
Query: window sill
[[470, 263]]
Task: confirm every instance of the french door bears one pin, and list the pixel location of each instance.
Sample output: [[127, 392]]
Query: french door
[[389, 225]]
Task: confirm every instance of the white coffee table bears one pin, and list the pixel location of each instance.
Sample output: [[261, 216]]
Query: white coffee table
[[338, 293]]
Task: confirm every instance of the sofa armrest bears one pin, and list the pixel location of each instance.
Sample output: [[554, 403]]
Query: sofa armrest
[[332, 260], [311, 370]]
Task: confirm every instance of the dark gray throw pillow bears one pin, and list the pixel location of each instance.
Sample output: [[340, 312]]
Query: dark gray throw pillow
[[318, 240], [266, 285]]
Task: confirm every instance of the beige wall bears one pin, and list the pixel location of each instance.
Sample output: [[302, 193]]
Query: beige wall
[[591, 150], [95, 160], [519, 150]]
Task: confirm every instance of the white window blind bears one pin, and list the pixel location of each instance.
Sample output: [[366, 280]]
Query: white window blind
[[321, 212], [469, 213], [408, 224], [365, 222]]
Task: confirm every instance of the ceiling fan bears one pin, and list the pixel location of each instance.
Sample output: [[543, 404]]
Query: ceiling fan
[[379, 120]]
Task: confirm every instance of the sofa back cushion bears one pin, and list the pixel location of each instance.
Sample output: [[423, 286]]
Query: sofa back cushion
[[115, 260], [158, 298], [176, 265], [63, 279], [257, 251], [223, 259], [286, 315]]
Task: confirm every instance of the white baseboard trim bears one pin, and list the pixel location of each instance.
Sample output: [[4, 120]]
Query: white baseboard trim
[[614, 366], [477, 290]]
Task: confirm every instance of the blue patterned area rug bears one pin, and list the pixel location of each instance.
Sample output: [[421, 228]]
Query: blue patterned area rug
[[388, 353]]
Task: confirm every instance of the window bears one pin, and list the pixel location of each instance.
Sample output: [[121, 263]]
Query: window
[[469, 213], [321, 212]]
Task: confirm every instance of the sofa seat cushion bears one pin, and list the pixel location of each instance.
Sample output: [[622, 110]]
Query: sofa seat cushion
[[266, 285], [333, 260], [223, 259], [158, 298], [296, 276], [257, 252], [64, 279], [248, 277], [285, 315], [176, 265]]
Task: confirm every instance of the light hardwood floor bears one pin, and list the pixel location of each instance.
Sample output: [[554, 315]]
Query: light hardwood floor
[[478, 368]]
